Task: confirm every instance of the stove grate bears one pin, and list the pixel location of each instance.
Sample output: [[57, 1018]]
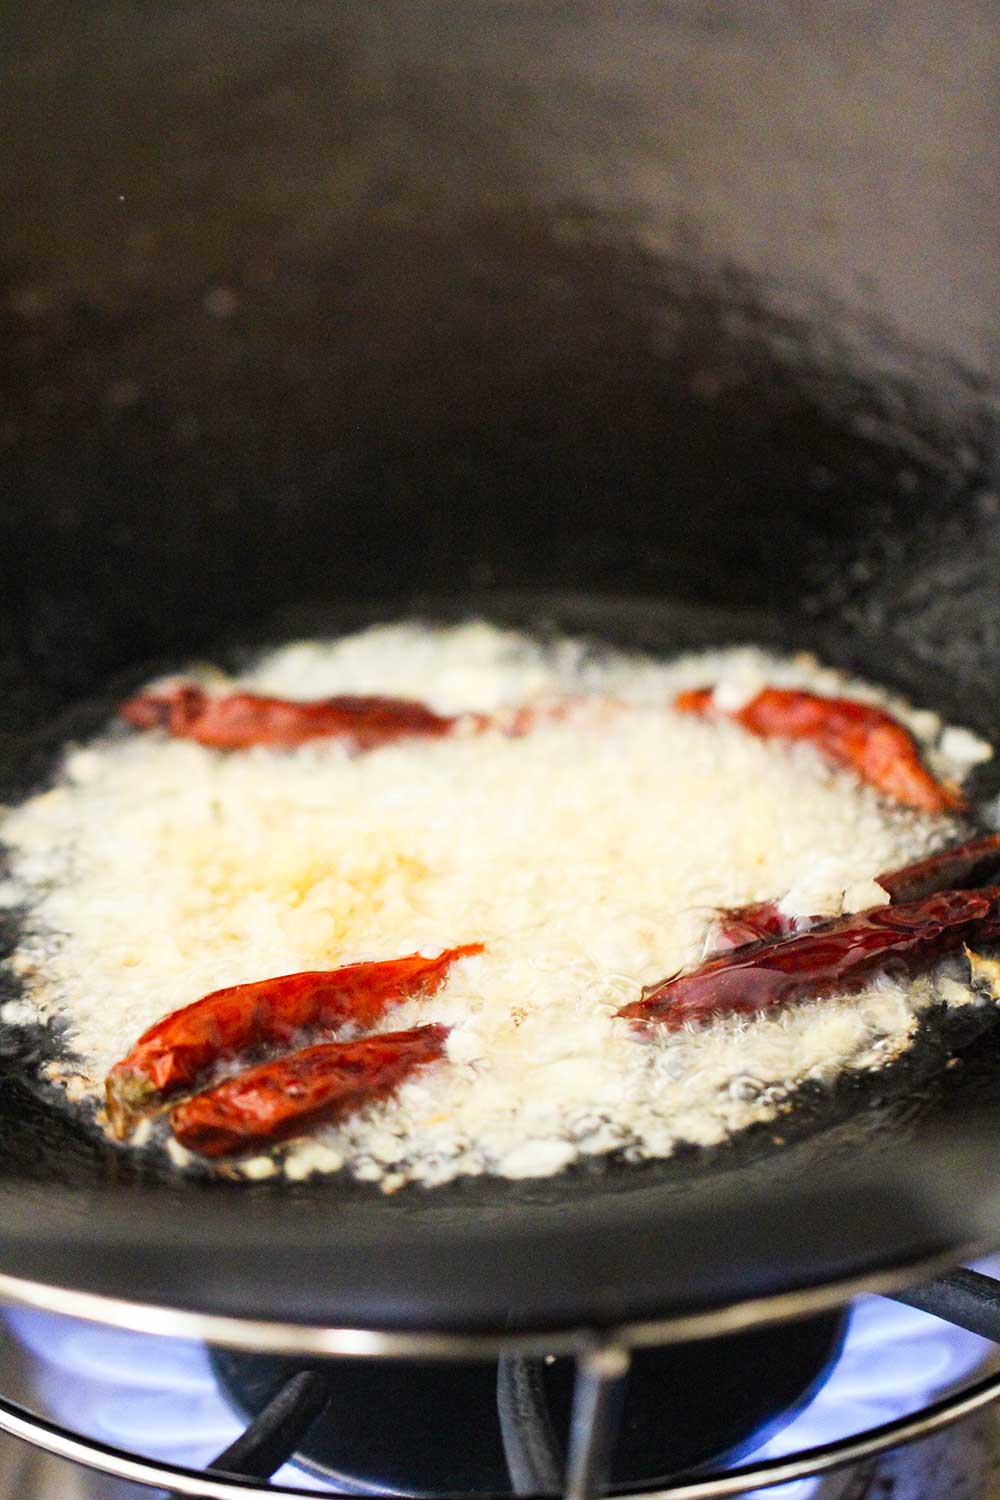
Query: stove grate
[[965, 1298]]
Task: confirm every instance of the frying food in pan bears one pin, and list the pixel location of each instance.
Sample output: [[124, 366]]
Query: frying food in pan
[[428, 903], [176, 1050]]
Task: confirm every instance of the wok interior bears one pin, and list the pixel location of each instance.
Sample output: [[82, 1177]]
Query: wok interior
[[395, 302], [714, 488], [710, 476]]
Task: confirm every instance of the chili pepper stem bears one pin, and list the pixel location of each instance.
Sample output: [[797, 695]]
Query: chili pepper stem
[[128, 1097]]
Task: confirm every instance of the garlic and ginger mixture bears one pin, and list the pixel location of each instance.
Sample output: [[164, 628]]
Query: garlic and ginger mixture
[[587, 856]]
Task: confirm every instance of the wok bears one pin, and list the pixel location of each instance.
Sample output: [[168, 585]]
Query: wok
[[668, 324]]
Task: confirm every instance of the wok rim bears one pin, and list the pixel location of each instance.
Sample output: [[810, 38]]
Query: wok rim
[[281, 1336]]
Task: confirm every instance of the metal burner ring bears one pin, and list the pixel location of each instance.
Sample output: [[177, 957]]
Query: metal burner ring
[[21, 1423]]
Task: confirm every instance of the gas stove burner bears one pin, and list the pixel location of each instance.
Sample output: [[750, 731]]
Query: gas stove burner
[[154, 1410], [424, 1429]]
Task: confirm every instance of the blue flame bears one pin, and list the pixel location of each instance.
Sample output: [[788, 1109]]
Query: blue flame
[[895, 1359], [160, 1397]]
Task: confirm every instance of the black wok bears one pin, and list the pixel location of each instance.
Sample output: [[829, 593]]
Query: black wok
[[671, 324]]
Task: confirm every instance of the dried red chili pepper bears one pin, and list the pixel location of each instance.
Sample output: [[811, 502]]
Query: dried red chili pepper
[[288, 1096], [866, 739], [173, 1052], [760, 922], [835, 958], [241, 720], [962, 867]]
